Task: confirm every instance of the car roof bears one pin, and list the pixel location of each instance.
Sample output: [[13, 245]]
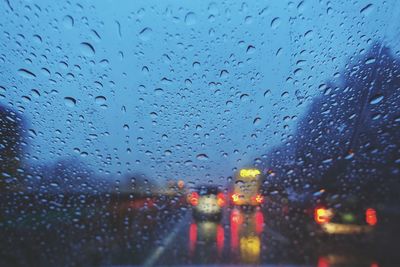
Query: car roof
[[207, 189]]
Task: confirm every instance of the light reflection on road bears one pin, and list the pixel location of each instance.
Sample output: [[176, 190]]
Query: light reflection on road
[[246, 230], [244, 240]]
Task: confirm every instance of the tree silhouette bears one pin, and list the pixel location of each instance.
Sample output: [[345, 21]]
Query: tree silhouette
[[350, 136], [11, 148]]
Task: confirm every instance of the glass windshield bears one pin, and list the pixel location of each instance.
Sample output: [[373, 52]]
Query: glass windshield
[[199, 133]]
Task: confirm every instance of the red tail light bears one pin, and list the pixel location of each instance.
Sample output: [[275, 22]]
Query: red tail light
[[259, 199], [221, 199], [235, 198], [370, 216], [194, 198], [322, 215]]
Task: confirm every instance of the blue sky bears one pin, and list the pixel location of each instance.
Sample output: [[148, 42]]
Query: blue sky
[[175, 89]]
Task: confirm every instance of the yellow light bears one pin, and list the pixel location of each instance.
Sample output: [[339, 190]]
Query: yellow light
[[250, 249], [249, 172], [259, 199], [235, 197]]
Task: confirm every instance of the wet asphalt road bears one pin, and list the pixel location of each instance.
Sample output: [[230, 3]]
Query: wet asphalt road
[[115, 231], [249, 238]]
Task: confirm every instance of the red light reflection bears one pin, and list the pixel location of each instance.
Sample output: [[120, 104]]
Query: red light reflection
[[192, 237], [220, 238], [259, 222], [236, 221]]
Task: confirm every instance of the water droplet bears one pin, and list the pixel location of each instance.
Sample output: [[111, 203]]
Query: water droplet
[[244, 97], [69, 101], [32, 132], [224, 74], [104, 63], [119, 29], [367, 10], [250, 49], [87, 49], [370, 60], [68, 22], [257, 121], [26, 74], [275, 23], [190, 18], [202, 157], [376, 99], [35, 93], [100, 100], [145, 34], [158, 91], [248, 20], [37, 38]]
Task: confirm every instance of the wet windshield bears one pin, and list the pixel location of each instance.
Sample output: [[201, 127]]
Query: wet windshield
[[199, 133]]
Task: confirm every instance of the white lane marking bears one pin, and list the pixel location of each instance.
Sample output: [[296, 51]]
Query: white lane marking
[[276, 235], [159, 251]]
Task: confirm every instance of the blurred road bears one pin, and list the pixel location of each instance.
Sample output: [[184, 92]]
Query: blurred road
[[246, 237], [119, 231]]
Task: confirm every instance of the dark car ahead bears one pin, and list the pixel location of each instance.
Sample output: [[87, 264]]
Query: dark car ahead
[[335, 214], [207, 202]]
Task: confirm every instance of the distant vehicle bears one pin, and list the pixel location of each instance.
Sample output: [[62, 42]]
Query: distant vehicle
[[207, 202], [335, 215], [206, 236], [246, 188]]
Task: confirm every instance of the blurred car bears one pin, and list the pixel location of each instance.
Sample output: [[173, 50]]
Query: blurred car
[[207, 236], [246, 188], [336, 214], [207, 202]]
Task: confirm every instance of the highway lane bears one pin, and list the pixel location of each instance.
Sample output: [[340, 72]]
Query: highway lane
[[239, 238], [162, 231], [249, 238]]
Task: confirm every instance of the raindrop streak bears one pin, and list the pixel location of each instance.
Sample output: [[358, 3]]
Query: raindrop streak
[[87, 49], [119, 29], [69, 101], [26, 74]]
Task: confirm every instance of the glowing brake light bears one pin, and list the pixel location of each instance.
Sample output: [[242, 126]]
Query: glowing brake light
[[194, 198], [370, 216], [221, 199], [235, 198], [259, 199], [322, 215]]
